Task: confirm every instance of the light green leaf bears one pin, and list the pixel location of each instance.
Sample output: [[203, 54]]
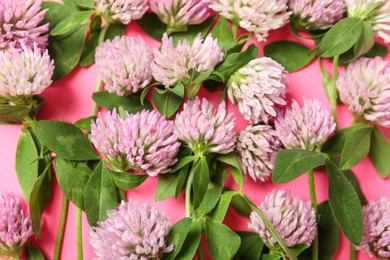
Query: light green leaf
[[33, 253], [221, 31], [210, 200], [220, 211], [380, 153], [183, 162], [131, 104], [167, 102], [222, 242], [127, 181], [232, 160], [177, 236], [85, 123], [71, 23], [192, 241], [200, 182], [166, 186]]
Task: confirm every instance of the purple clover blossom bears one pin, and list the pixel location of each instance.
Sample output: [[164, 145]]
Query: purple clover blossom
[[178, 14], [294, 219], [257, 88], [257, 147], [24, 73], [124, 65], [376, 234], [375, 12], [132, 231], [364, 86], [318, 14], [306, 128], [15, 226], [20, 24], [204, 129], [257, 16], [142, 142], [122, 11]]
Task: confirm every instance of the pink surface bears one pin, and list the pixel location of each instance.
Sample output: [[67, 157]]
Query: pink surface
[[70, 99]]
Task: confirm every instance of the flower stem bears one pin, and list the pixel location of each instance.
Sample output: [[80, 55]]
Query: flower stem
[[234, 30], [79, 235], [313, 200], [200, 252], [122, 195], [188, 188], [61, 227], [352, 253], [335, 77]]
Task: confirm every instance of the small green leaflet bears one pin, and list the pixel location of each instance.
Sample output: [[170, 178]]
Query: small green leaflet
[[71, 22], [380, 152], [178, 235], [168, 101], [127, 181], [222, 242], [201, 181]]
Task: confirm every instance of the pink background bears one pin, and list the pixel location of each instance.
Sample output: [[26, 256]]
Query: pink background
[[69, 100]]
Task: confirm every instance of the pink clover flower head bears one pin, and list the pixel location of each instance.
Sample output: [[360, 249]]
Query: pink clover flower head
[[132, 231], [204, 129], [376, 234], [178, 14], [364, 86], [257, 16], [24, 73], [294, 219], [21, 24], [257, 88], [124, 65], [172, 64], [318, 14], [123, 11], [306, 128], [15, 226], [375, 12], [144, 141], [257, 147]]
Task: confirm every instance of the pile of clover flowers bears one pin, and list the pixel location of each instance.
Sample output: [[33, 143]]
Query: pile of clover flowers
[[187, 142]]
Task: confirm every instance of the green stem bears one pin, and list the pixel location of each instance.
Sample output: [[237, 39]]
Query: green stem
[[200, 252], [335, 77], [61, 227], [234, 30], [188, 188], [79, 235], [313, 199], [270, 228], [122, 195], [352, 253]]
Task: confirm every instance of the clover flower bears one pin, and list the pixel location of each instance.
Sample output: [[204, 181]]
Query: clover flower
[[257, 147], [132, 231], [375, 12], [123, 11], [376, 234], [173, 64], [204, 129], [178, 14], [124, 65], [257, 16], [364, 86], [24, 73], [15, 226], [142, 142], [294, 219], [20, 24], [257, 88], [317, 14], [307, 128]]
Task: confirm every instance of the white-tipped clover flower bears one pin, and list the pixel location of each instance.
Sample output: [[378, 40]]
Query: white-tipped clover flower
[[132, 231], [375, 12], [173, 63], [257, 147], [141, 142], [124, 65], [376, 234], [317, 14], [257, 16], [294, 219], [21, 24], [122, 11], [364, 86], [178, 14], [15, 226], [257, 88], [25, 73], [307, 127], [204, 129]]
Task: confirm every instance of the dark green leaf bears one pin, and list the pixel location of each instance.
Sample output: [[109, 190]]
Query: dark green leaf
[[366, 40], [181, 180], [75, 4], [355, 183], [328, 232], [345, 204], [152, 25], [13, 113], [115, 29], [356, 147], [292, 163], [88, 54], [85, 123], [298, 249], [232, 160], [377, 50], [201, 181], [131, 104], [292, 55], [380, 152], [219, 213], [193, 31], [342, 36], [127, 181], [33, 253], [166, 186], [66, 140], [192, 241], [210, 200], [221, 31], [222, 242], [183, 162], [202, 76], [72, 179], [26, 163], [178, 89], [250, 248], [240, 205], [100, 195], [167, 103], [95, 24], [270, 257], [178, 235], [71, 23]]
